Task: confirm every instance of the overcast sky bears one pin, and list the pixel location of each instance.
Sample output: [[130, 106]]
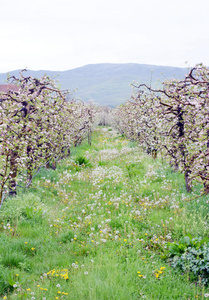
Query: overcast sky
[[64, 34]]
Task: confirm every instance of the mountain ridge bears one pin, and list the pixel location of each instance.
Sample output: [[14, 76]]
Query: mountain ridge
[[106, 83]]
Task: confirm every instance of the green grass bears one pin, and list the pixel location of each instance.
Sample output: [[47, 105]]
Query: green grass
[[98, 228]]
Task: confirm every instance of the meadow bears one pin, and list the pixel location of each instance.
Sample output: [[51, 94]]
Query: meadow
[[108, 223]]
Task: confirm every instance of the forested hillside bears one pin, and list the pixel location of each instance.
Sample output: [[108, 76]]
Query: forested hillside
[[107, 84]]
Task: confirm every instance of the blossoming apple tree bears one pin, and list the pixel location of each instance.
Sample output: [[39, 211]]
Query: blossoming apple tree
[[174, 118], [37, 125]]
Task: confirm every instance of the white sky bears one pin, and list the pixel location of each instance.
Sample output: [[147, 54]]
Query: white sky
[[64, 34]]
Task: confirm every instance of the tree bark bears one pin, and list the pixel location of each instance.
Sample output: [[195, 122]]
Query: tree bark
[[13, 173], [182, 148], [187, 181], [89, 137]]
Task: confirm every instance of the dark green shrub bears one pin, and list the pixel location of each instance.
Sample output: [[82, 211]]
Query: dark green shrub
[[191, 255]]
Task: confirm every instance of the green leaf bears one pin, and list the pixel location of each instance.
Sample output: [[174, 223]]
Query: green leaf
[[187, 240]]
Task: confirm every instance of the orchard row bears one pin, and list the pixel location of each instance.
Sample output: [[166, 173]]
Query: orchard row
[[38, 125], [173, 120]]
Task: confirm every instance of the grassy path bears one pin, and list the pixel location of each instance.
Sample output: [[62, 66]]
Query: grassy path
[[99, 230]]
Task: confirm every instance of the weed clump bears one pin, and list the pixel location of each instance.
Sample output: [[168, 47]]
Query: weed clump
[[82, 161], [191, 256]]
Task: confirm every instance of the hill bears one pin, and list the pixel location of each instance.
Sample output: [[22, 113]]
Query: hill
[[106, 84]]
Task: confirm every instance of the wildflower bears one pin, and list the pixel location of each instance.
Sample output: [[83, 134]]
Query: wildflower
[[86, 273], [32, 248], [103, 240], [58, 285], [65, 276]]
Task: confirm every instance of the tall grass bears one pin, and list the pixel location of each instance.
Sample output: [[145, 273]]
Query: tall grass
[[98, 227]]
